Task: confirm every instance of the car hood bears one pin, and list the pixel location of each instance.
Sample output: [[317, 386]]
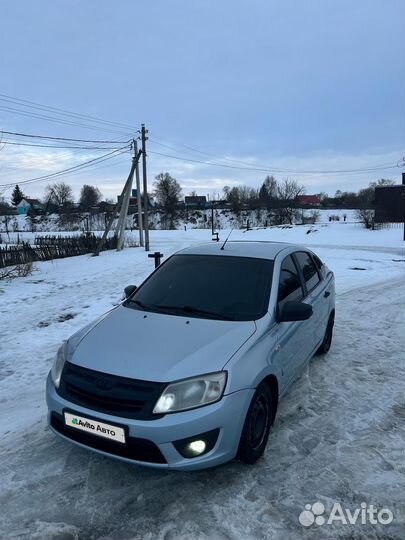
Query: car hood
[[159, 347]]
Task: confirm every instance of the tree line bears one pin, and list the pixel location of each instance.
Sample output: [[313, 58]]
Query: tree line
[[280, 196], [58, 197]]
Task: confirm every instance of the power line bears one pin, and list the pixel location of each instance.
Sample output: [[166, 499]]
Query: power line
[[33, 136], [228, 163], [94, 167], [63, 153], [270, 170], [59, 120], [58, 146], [160, 143], [78, 119], [75, 168], [64, 112]]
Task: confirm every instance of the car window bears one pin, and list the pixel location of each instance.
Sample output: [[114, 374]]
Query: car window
[[309, 269], [208, 286], [289, 288], [318, 261]]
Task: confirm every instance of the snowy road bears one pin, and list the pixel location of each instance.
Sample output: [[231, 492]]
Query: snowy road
[[338, 436]]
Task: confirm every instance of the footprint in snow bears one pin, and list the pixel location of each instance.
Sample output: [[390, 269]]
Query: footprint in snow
[[66, 317], [60, 319], [43, 324]]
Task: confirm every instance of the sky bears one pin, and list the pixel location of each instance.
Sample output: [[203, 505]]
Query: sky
[[298, 89]]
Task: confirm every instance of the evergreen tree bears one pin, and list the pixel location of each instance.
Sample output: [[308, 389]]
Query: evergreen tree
[[168, 192], [17, 195]]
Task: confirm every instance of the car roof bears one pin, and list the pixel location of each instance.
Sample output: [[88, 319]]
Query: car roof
[[257, 249]]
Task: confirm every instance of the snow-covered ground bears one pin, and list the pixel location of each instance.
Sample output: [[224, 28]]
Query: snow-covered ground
[[338, 436], [198, 219]]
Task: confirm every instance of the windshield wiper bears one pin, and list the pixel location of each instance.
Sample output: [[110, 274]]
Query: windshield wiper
[[197, 311], [139, 303]]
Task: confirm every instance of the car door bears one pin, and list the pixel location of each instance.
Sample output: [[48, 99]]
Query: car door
[[292, 336], [314, 295]]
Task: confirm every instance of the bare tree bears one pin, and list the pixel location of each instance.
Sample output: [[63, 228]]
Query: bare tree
[[59, 194], [5, 208], [248, 195], [234, 199], [314, 216], [366, 196], [6, 221], [287, 191], [366, 216]]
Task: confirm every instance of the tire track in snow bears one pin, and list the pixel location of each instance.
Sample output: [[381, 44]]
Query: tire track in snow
[[338, 437]]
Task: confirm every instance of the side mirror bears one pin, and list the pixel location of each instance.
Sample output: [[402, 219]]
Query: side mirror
[[294, 311], [129, 290]]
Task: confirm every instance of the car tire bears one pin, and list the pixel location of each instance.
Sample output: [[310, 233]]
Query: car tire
[[256, 428], [327, 339]]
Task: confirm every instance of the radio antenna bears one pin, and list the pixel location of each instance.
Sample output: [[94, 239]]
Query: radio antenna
[[223, 245]]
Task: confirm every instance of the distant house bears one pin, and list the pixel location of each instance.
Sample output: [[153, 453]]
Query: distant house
[[310, 200], [104, 206], [133, 201], [26, 205], [195, 201]]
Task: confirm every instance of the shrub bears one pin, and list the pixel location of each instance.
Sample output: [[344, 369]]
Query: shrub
[[20, 270]]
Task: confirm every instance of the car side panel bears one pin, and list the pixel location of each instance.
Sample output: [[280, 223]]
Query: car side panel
[[256, 359], [294, 346]]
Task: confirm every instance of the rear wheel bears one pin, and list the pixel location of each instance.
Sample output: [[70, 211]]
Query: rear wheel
[[327, 339], [257, 425]]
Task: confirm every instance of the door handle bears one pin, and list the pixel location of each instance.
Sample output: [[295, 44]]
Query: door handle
[[326, 294]]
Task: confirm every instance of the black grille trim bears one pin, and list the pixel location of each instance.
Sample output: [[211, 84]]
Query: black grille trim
[[109, 394], [135, 448]]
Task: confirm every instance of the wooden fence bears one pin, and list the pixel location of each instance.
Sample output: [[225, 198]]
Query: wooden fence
[[46, 248]]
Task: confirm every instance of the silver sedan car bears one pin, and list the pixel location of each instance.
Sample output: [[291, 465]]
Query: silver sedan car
[[187, 372]]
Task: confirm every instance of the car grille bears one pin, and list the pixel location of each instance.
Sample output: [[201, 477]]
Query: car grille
[[109, 394], [135, 448]]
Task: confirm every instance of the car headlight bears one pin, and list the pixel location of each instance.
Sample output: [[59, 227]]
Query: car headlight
[[58, 364], [191, 393]]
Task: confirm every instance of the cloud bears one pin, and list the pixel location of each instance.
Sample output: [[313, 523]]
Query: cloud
[[17, 165], [206, 177]]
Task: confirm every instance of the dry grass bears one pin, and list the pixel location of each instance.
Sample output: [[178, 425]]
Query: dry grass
[[19, 270]]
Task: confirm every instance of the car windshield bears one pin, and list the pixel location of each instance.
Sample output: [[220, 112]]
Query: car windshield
[[208, 287]]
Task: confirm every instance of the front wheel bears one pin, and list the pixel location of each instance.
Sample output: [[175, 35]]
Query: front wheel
[[327, 339], [257, 425]]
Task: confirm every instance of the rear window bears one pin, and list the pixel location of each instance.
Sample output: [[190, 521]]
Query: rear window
[[208, 286], [318, 261], [309, 269], [289, 288]]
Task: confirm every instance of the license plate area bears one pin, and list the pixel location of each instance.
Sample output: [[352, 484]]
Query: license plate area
[[95, 427]]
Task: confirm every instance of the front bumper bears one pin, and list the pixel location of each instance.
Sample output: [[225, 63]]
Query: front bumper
[[227, 415]]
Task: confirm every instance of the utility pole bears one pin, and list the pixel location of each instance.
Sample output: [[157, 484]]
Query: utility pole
[[117, 207], [212, 218], [144, 138], [138, 197], [122, 221], [403, 195]]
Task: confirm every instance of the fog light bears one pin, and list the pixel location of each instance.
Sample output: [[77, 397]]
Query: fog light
[[196, 447]]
